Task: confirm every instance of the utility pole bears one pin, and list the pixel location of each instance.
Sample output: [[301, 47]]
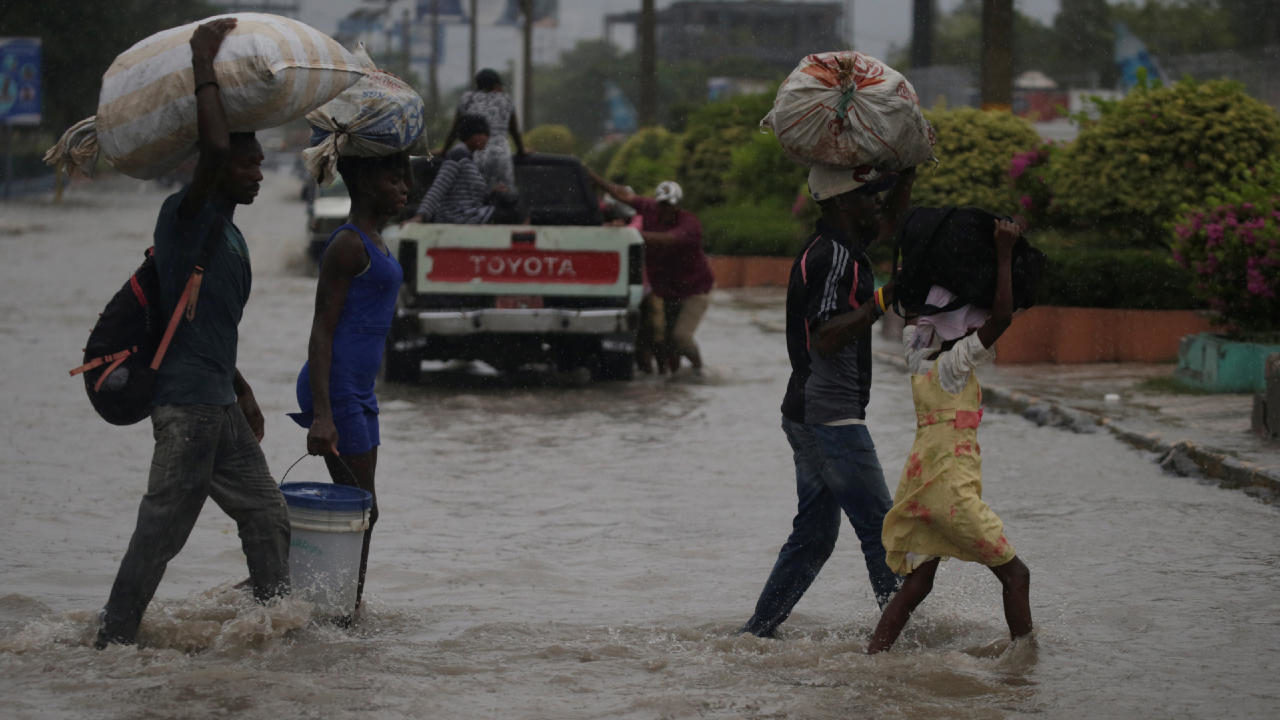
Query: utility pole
[[433, 77], [471, 59], [997, 54], [922, 14], [406, 54], [526, 98], [648, 64]]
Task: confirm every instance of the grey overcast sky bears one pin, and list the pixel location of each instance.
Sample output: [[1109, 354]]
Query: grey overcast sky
[[877, 23]]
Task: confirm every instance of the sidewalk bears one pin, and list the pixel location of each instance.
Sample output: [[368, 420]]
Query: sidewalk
[[1207, 434]]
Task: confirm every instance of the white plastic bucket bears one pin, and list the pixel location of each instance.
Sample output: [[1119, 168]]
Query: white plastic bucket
[[328, 523]]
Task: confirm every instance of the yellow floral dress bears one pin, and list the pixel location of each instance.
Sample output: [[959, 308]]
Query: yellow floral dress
[[938, 509]]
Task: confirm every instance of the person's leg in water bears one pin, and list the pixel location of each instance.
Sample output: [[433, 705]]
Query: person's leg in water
[[1015, 582], [851, 470], [243, 487], [813, 536], [187, 439], [688, 317], [648, 334], [898, 611]]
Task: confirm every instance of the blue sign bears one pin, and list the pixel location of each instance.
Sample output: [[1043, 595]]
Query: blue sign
[[1132, 56], [19, 81]]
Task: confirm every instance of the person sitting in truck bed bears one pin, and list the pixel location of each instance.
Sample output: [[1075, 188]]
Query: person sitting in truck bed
[[460, 194], [675, 264]]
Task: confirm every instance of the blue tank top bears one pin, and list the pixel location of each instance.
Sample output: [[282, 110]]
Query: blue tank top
[[360, 337]]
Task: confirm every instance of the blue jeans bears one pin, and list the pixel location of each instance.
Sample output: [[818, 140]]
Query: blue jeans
[[201, 451], [836, 469]]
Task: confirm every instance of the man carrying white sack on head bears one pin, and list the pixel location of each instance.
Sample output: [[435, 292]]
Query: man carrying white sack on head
[[206, 421], [856, 123]]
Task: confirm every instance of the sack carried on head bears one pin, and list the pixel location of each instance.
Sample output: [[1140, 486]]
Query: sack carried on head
[[954, 247], [270, 70], [849, 110], [132, 335], [379, 115]]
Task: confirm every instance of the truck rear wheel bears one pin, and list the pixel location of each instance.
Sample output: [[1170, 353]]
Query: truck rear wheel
[[614, 366], [400, 366]]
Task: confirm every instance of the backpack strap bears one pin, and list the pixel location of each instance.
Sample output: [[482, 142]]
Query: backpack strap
[[186, 305]]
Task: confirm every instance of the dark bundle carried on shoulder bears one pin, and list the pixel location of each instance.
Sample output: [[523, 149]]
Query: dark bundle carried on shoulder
[[953, 247]]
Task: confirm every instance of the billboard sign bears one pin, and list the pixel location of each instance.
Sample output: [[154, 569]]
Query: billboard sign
[[19, 81]]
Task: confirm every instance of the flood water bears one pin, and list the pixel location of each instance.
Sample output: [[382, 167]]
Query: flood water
[[553, 549]]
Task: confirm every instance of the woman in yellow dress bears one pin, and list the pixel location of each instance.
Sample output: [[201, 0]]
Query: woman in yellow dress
[[938, 509]]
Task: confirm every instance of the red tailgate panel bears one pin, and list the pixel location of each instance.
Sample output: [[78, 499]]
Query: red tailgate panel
[[521, 265]]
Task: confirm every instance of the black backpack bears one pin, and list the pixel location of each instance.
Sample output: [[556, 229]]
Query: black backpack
[[953, 247], [130, 339]]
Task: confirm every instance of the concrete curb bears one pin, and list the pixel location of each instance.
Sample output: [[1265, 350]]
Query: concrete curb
[[1182, 457]]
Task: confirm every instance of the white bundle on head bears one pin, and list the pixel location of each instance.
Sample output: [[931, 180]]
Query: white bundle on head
[[948, 325], [379, 115]]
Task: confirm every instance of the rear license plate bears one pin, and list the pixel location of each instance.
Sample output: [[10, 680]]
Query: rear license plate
[[516, 302]]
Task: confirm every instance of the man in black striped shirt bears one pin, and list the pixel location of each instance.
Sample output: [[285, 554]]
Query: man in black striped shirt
[[830, 310]]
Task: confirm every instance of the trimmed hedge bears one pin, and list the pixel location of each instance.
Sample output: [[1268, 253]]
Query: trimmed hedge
[[1129, 278], [752, 229], [712, 134], [555, 139], [974, 151], [1158, 150], [646, 159]]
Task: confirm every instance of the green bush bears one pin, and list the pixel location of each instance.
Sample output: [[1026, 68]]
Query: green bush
[[711, 134], [760, 172], [752, 229], [556, 139], [1132, 278], [1159, 149], [974, 150], [599, 157], [646, 159], [1234, 253]]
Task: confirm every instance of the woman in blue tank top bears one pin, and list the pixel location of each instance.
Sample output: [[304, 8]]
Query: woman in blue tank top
[[355, 300]]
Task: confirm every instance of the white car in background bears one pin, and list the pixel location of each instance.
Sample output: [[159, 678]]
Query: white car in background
[[327, 210]]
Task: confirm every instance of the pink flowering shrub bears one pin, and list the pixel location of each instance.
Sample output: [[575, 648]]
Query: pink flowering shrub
[[1233, 252], [1029, 183]]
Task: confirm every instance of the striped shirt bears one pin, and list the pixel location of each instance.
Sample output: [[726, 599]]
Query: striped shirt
[[829, 278], [459, 192]]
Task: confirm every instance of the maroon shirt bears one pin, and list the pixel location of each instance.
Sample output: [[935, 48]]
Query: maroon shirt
[[679, 269]]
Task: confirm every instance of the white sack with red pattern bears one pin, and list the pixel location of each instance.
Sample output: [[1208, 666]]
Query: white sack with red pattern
[[849, 110]]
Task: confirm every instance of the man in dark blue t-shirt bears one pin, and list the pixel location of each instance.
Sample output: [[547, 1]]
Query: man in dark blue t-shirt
[[206, 422], [831, 305]]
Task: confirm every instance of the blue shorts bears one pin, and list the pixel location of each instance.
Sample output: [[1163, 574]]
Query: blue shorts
[[357, 427]]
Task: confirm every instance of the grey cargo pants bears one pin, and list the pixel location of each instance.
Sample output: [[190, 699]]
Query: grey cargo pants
[[201, 451]]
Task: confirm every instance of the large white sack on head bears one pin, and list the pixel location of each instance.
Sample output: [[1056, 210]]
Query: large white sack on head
[[849, 110], [270, 70], [379, 115]]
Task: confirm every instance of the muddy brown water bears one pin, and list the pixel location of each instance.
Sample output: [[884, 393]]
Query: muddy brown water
[[554, 549]]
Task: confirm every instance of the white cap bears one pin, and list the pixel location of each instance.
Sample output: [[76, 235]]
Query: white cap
[[828, 182], [669, 192]]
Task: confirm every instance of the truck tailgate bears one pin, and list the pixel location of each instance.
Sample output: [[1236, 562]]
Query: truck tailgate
[[509, 260]]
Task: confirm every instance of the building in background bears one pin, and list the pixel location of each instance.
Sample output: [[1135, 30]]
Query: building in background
[[774, 33], [287, 8]]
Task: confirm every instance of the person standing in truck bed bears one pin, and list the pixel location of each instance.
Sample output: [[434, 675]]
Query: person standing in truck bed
[[677, 267]]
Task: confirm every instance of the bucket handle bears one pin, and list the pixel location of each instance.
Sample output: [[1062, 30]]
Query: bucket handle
[[341, 462]]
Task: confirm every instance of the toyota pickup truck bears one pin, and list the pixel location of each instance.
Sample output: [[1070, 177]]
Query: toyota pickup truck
[[563, 290]]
